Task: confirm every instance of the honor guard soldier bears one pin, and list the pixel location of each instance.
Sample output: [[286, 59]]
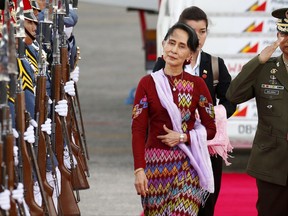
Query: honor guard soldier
[[27, 62], [265, 78], [36, 8]]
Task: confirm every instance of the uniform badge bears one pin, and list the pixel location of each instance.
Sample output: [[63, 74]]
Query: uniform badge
[[279, 87], [274, 70], [204, 75], [273, 82], [277, 64], [273, 79], [271, 92]]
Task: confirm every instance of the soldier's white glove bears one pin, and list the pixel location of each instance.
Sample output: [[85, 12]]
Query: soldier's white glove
[[37, 194], [74, 75], [69, 88], [15, 133], [5, 200], [29, 135], [67, 159], [44, 56], [56, 184], [62, 108], [18, 193], [68, 31], [46, 127], [33, 123], [15, 154], [50, 101]]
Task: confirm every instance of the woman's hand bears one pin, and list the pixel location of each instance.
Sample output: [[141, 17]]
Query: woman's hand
[[171, 138], [141, 183]]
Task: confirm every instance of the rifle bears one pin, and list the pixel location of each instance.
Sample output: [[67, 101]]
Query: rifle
[[77, 109], [67, 195], [12, 171], [26, 159], [75, 131], [2, 165], [40, 111], [12, 64], [3, 154], [9, 161], [45, 30], [26, 150], [3, 172], [51, 157], [79, 179]]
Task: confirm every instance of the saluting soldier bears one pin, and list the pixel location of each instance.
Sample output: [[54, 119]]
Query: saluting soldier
[[265, 78]]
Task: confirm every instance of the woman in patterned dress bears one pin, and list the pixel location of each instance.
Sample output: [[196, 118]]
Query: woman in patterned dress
[[172, 173]]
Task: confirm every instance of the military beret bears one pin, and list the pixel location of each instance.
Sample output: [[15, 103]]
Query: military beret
[[282, 23]]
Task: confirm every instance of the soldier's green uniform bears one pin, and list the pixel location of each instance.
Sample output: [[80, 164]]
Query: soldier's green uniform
[[268, 83]]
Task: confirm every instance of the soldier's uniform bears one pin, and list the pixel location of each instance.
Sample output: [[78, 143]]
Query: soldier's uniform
[[27, 63], [268, 84]]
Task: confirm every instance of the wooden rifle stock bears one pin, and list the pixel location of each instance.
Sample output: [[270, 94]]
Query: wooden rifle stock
[[41, 109], [79, 179], [80, 137], [78, 106], [3, 179], [53, 165], [26, 160], [1, 156], [9, 156], [76, 133], [9, 143], [67, 200], [82, 134], [1, 167]]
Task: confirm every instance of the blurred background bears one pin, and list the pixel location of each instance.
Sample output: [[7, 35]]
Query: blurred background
[[112, 62]]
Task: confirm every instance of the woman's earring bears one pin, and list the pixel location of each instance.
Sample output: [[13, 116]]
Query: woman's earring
[[187, 61]]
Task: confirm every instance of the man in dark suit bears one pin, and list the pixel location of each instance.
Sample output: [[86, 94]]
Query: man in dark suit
[[201, 65], [266, 79]]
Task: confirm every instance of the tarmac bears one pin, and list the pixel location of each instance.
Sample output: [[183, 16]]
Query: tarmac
[[112, 62]]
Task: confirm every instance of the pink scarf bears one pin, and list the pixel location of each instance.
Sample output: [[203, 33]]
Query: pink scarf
[[197, 151], [220, 144]]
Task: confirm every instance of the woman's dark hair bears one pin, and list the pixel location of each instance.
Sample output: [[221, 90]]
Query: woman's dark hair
[[193, 13], [192, 42]]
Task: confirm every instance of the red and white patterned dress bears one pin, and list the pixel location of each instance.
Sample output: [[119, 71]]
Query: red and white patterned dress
[[172, 181]]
